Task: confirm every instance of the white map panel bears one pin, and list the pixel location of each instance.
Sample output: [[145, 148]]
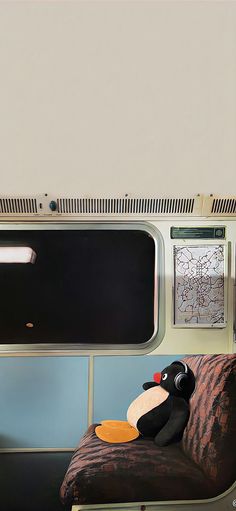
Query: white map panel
[[199, 285]]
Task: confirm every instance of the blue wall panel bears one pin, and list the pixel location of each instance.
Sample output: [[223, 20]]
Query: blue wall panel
[[118, 381], [43, 401]]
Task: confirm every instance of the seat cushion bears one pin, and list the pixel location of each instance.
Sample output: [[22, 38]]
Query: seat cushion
[[137, 471], [210, 435]]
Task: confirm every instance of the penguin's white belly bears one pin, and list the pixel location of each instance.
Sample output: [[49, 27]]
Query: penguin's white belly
[[144, 403]]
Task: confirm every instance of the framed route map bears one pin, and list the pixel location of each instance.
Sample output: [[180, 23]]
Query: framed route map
[[199, 285]]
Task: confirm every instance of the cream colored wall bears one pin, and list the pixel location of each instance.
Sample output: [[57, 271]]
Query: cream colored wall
[[175, 340], [103, 98], [190, 340], [106, 98]]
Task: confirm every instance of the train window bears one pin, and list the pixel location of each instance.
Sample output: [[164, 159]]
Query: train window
[[83, 287]]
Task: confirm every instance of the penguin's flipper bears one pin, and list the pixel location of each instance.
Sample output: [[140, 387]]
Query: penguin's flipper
[[115, 435], [174, 427], [149, 385]]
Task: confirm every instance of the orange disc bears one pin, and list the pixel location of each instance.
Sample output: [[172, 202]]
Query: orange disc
[[116, 435]]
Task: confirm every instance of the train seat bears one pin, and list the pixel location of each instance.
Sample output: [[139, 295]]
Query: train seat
[[201, 466]]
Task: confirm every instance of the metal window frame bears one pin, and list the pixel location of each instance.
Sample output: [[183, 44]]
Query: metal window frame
[[60, 349]]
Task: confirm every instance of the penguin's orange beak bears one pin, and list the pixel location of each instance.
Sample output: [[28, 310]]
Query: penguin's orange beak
[[157, 377]]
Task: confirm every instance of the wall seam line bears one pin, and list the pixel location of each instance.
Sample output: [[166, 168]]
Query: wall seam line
[[90, 389]]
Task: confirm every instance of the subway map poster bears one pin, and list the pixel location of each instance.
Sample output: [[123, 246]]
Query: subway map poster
[[199, 285]]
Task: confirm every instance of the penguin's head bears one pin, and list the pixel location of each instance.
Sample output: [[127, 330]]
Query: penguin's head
[[177, 378]]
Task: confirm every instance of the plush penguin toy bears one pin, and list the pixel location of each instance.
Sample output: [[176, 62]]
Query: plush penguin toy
[[161, 412]]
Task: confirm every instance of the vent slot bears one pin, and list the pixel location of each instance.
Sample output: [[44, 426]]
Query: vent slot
[[126, 206], [18, 206]]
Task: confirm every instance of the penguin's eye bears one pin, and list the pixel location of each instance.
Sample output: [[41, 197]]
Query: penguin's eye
[[164, 376]]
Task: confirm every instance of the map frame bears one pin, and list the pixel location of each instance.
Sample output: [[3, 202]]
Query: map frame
[[178, 323]]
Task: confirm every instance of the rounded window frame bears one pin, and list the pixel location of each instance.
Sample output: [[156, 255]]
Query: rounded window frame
[[73, 349]]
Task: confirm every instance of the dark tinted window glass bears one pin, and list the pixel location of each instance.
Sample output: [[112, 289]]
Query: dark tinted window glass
[[86, 286]]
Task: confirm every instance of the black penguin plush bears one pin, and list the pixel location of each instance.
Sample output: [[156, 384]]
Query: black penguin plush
[[161, 412], [164, 406]]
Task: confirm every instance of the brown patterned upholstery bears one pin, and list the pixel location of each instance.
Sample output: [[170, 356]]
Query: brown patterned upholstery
[[210, 436], [203, 465], [137, 471]]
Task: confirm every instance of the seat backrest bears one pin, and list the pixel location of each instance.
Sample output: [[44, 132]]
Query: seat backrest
[[210, 435]]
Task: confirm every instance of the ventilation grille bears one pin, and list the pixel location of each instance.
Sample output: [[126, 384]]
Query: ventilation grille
[[224, 206], [44, 205], [219, 206], [126, 206], [18, 206]]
